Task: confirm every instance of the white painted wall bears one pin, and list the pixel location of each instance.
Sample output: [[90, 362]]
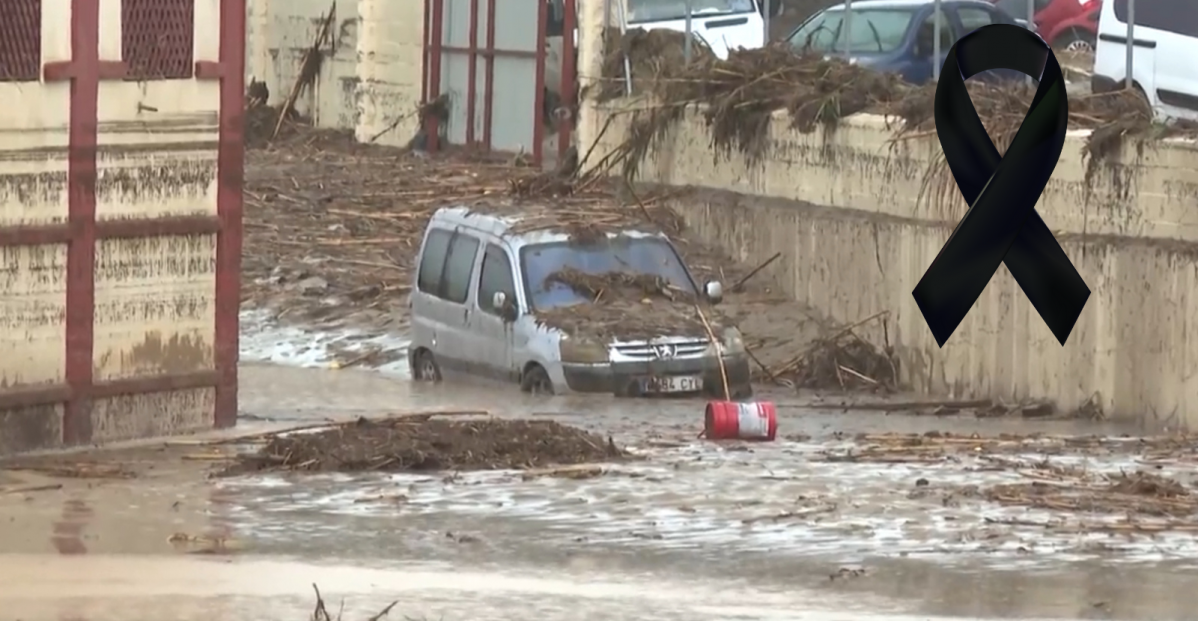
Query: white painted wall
[[373, 76], [33, 191], [279, 33], [390, 70], [154, 297]]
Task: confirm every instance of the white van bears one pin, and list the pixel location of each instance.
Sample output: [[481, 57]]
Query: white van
[[1165, 54], [723, 24], [487, 302]]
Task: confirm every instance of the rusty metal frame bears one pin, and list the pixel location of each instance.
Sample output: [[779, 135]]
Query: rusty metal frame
[[435, 49], [230, 182], [81, 231], [569, 76]]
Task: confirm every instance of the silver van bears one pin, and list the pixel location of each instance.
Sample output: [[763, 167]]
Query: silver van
[[483, 290]]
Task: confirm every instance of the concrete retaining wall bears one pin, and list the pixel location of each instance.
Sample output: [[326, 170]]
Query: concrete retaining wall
[[858, 225], [372, 70]]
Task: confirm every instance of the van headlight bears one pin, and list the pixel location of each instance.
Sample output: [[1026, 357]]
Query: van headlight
[[583, 351], [734, 342]]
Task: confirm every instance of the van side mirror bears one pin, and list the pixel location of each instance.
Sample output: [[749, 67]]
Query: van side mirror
[[713, 291], [507, 308]]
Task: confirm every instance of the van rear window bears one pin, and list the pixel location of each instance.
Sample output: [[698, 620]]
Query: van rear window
[[432, 261], [459, 265]]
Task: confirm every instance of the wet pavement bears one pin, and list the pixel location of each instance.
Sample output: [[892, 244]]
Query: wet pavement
[[767, 531]]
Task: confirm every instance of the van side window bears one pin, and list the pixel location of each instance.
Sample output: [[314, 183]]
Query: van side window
[[458, 267], [496, 276], [1176, 16], [432, 262], [925, 37]]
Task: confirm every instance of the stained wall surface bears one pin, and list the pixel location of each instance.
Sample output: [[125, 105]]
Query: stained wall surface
[[372, 67], [278, 35], [110, 224]]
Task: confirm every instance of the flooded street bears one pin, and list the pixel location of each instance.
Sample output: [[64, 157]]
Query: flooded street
[[192, 590], [726, 531]]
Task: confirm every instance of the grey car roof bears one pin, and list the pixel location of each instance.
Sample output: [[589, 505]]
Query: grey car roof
[[529, 224]]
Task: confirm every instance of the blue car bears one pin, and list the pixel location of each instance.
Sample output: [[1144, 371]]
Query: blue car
[[897, 36]]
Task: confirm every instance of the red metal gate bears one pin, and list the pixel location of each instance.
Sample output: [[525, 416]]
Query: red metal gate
[[436, 50], [157, 37]]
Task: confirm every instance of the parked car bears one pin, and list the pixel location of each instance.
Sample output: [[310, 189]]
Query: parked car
[[1165, 47], [723, 24], [898, 35], [1065, 24], [489, 300]]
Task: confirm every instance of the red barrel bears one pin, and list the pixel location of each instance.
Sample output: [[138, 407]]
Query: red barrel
[[725, 420]]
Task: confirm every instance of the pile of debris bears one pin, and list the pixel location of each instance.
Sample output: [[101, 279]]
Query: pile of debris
[[939, 446], [425, 442], [627, 305], [738, 97], [651, 55], [843, 360], [1141, 493], [1047, 475], [618, 284], [333, 225]]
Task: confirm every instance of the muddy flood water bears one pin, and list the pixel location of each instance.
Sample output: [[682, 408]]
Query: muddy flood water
[[801, 528]]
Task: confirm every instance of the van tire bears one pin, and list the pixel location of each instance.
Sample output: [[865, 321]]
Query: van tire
[[535, 380], [1075, 38], [424, 367]]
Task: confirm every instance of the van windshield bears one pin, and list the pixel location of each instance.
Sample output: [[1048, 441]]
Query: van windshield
[[653, 256], [641, 11]]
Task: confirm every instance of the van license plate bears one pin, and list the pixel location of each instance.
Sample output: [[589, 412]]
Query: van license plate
[[675, 383]]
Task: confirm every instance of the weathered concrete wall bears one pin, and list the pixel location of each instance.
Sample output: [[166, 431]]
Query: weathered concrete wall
[[279, 33], [390, 70], [858, 225], [154, 296], [123, 331], [372, 72]]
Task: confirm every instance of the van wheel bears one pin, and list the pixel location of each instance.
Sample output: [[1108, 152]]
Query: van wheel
[[424, 367], [536, 381], [1074, 41]]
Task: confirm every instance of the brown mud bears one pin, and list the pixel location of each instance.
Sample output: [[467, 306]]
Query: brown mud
[[427, 443]]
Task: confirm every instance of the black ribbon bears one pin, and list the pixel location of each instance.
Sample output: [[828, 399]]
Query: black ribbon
[[1002, 225]]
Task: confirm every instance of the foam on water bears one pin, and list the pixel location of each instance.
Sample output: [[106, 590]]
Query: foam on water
[[265, 340], [775, 499]]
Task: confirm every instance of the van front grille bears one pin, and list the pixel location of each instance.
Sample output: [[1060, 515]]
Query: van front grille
[[646, 351]]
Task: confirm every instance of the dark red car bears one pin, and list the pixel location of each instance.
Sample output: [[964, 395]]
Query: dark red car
[[1065, 24]]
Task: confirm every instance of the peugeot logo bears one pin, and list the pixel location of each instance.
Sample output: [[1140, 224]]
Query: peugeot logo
[[665, 351]]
